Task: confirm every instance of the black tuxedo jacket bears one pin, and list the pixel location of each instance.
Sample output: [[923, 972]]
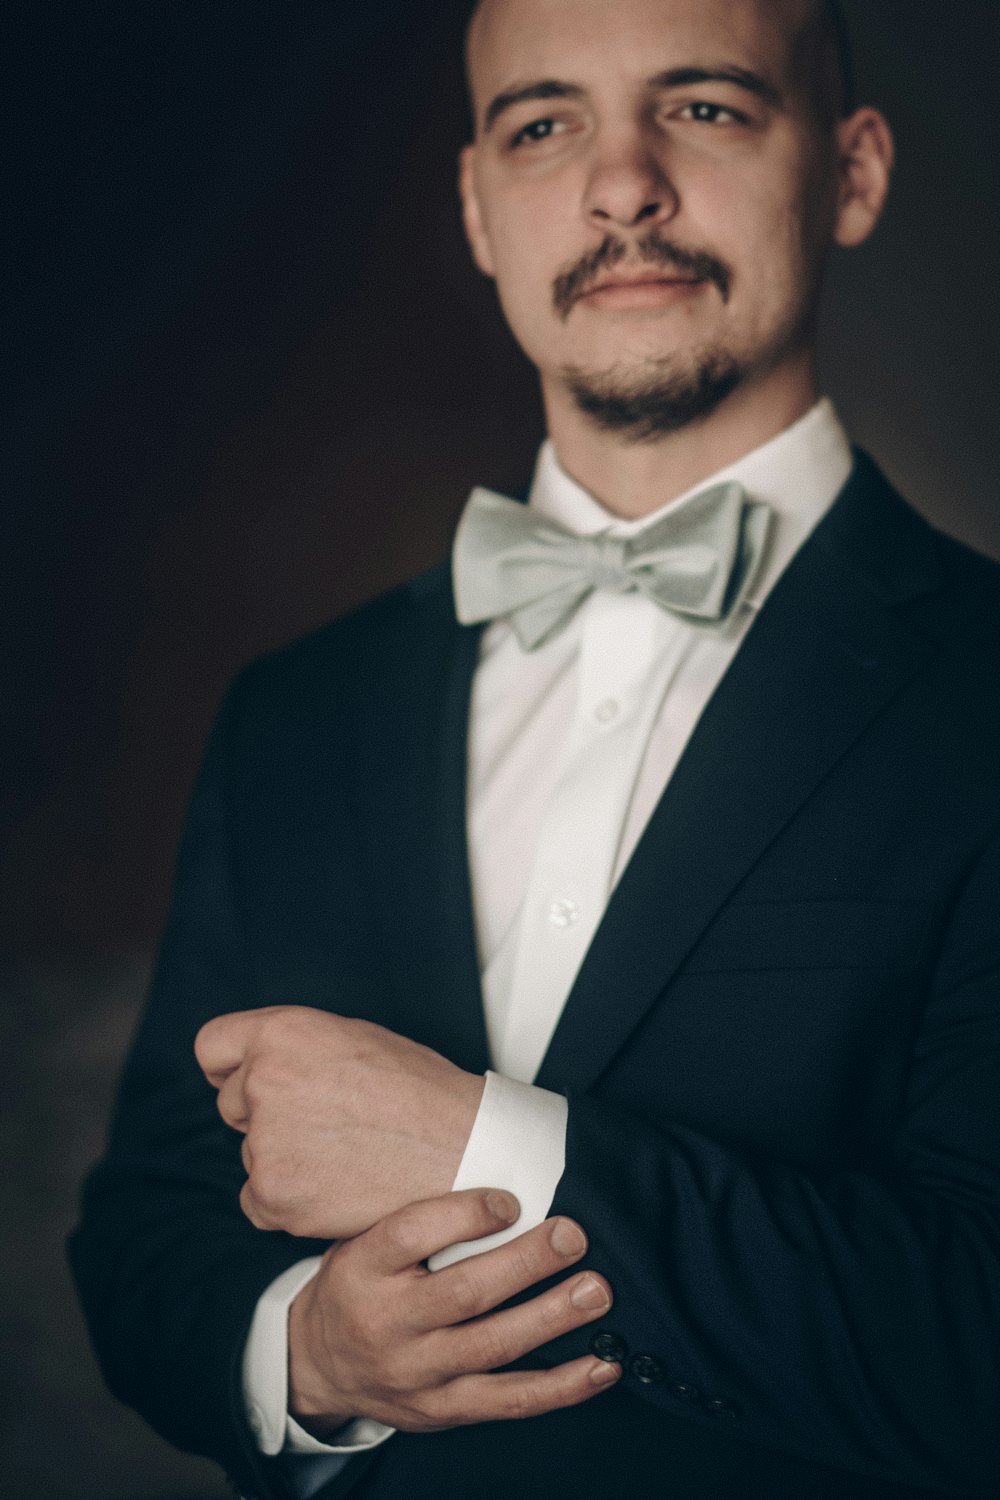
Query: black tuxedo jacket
[[782, 1052]]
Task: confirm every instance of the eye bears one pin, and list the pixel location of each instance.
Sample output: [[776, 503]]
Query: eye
[[705, 113], [535, 131]]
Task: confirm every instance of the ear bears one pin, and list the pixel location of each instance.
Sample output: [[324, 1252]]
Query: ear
[[866, 154], [472, 218]]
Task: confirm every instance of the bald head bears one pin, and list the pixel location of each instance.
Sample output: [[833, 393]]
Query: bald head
[[820, 41]]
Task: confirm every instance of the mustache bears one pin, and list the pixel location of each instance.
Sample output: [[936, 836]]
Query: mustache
[[574, 283]]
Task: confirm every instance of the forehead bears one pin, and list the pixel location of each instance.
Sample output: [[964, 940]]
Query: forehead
[[598, 42]]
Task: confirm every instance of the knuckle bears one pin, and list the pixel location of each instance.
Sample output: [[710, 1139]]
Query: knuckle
[[370, 1312], [389, 1367], [402, 1232], [283, 1026], [491, 1346], [258, 1084], [524, 1402], [344, 1263], [348, 1268], [399, 1362], [426, 1411], [531, 1259], [464, 1291], [555, 1313], [278, 1020], [224, 1105]]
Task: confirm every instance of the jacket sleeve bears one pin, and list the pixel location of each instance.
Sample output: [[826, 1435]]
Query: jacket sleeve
[[852, 1319], [168, 1268]]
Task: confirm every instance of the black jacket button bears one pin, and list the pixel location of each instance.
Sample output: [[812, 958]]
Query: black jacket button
[[683, 1390], [609, 1347], [721, 1406], [647, 1370]]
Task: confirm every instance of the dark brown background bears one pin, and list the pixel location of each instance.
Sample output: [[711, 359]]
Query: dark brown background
[[255, 377]]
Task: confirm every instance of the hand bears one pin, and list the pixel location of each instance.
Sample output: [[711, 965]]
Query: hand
[[376, 1334], [344, 1122]]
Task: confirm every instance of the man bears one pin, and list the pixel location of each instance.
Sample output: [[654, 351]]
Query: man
[[687, 833]]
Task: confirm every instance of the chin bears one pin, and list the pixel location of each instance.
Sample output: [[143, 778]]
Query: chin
[[648, 400]]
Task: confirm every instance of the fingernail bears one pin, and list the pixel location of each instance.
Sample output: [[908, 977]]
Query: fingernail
[[589, 1294], [603, 1374], [568, 1238], [503, 1206]]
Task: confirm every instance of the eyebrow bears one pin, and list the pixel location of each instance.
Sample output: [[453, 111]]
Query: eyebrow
[[547, 88], [672, 78], [743, 78]]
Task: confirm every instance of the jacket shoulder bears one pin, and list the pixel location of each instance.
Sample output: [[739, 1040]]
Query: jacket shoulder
[[975, 576], [905, 557], [377, 638]]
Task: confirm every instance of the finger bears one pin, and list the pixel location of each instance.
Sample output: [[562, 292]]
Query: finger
[[409, 1236], [500, 1339], [524, 1393], [476, 1285], [231, 1102], [222, 1043]]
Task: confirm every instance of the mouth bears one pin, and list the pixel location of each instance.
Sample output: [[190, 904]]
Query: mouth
[[650, 290]]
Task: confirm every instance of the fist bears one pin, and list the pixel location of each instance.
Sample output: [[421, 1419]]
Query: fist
[[343, 1122]]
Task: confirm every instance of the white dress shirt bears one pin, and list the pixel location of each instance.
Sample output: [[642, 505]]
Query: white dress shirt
[[570, 749]]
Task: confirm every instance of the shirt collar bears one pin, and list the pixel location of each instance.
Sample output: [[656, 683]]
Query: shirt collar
[[799, 474]]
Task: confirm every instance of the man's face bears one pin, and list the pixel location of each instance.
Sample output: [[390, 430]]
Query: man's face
[[652, 185]]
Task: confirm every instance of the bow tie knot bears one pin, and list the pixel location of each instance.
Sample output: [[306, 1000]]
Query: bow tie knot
[[606, 565], [697, 561]]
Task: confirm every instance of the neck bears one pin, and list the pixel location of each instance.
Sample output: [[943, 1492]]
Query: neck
[[634, 479]]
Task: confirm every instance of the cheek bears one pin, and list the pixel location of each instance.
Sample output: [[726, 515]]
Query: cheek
[[806, 222], [525, 272], [533, 236], [778, 257], [771, 218]]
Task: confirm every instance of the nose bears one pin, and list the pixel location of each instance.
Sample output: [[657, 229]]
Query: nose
[[628, 188]]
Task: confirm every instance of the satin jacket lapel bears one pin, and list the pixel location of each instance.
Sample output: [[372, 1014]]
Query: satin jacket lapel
[[828, 642], [411, 763]]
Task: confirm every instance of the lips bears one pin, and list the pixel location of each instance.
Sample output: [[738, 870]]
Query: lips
[[641, 294], [615, 283], [654, 269]]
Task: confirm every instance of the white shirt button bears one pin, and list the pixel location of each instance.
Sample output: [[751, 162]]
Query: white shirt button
[[563, 913], [608, 711]]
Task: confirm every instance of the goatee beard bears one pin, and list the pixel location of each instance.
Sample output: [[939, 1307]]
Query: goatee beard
[[646, 405]]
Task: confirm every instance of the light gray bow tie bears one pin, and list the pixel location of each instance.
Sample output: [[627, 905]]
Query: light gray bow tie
[[511, 563]]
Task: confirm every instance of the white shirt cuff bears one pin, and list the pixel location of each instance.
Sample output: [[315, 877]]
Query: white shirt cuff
[[265, 1378], [518, 1142]]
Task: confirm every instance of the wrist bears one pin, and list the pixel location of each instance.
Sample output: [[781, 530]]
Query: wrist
[[474, 1085], [468, 1096], [310, 1400]]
